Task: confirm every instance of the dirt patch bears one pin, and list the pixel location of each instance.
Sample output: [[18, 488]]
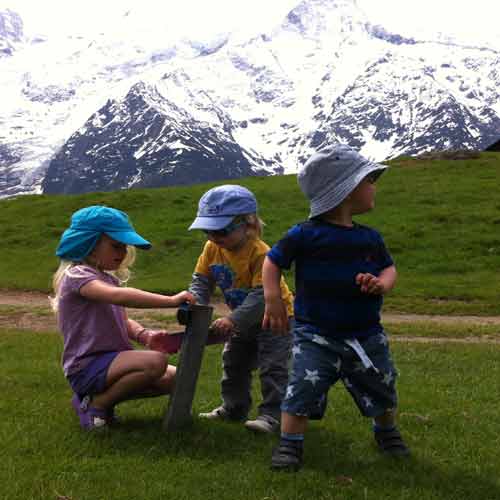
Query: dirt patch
[[436, 318], [44, 321], [27, 321], [20, 317], [21, 298], [445, 340]]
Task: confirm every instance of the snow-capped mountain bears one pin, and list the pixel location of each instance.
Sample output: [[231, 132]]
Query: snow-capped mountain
[[104, 115], [146, 140]]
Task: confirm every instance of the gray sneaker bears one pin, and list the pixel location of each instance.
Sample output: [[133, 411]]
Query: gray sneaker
[[287, 456], [263, 423], [220, 413]]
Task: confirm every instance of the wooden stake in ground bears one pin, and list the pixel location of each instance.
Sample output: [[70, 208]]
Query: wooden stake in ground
[[197, 319]]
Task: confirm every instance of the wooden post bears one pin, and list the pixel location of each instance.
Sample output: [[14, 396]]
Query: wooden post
[[197, 319]]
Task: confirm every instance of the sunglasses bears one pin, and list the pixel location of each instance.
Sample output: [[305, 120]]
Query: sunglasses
[[225, 231], [373, 176]]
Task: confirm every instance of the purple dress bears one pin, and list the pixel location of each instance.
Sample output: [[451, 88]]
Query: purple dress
[[89, 328]]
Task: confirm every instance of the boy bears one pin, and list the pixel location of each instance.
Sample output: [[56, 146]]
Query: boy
[[342, 270], [232, 260]]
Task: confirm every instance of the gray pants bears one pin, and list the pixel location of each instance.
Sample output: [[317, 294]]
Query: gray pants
[[242, 354]]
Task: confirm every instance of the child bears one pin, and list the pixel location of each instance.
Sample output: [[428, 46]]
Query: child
[[98, 359], [232, 259], [342, 270]]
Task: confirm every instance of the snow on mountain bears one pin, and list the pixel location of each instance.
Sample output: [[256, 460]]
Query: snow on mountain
[[11, 32], [52, 86], [403, 103], [145, 140], [84, 115]]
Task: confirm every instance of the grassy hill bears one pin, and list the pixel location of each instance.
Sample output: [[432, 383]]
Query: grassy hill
[[440, 220]]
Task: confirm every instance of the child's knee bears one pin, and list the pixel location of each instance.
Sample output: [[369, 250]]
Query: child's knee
[[156, 365], [171, 371]]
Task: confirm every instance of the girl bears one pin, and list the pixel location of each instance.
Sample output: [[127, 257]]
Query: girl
[[98, 359], [232, 259]]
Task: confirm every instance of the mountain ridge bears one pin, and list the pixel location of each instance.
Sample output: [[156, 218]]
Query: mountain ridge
[[324, 74]]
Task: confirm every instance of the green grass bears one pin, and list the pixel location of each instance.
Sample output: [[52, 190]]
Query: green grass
[[440, 220], [449, 415]]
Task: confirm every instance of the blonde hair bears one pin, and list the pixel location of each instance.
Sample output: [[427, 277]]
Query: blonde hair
[[66, 267], [255, 225]]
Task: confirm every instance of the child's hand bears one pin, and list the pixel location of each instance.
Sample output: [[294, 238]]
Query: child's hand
[[182, 297], [162, 341], [370, 284], [275, 317], [222, 326]]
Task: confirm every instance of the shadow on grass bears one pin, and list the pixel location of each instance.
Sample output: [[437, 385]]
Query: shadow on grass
[[454, 457], [329, 457], [212, 441], [332, 454]]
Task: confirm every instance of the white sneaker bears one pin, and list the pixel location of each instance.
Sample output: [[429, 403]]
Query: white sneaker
[[220, 413], [263, 423]]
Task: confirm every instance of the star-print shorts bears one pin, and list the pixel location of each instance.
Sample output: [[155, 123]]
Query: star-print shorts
[[319, 362]]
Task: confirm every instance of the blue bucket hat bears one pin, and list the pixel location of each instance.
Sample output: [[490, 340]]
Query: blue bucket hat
[[88, 224], [331, 174], [221, 204]]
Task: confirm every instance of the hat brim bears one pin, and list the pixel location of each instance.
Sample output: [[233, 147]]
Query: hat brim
[[129, 238], [211, 223]]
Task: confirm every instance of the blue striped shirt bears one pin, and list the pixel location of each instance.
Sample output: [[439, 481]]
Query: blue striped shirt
[[327, 259]]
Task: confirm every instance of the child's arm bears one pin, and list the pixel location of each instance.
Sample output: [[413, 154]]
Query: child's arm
[[201, 287], [378, 285], [202, 281], [248, 315], [137, 332], [156, 340], [132, 297], [275, 313]]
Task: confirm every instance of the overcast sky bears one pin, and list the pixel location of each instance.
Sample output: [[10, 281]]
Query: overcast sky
[[472, 19]]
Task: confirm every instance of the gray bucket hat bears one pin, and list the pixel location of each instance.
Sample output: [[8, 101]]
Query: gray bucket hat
[[331, 174]]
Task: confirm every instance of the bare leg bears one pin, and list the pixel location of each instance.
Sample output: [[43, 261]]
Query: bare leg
[[135, 373], [293, 424], [387, 419], [387, 435], [166, 384], [288, 454]]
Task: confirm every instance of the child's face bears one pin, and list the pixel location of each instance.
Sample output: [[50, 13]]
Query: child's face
[[108, 254], [362, 199], [232, 240]]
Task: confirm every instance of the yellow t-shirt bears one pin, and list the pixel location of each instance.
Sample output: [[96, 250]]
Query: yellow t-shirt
[[236, 272]]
